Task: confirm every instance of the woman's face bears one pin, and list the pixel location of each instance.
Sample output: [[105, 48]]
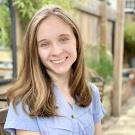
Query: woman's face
[[56, 45]]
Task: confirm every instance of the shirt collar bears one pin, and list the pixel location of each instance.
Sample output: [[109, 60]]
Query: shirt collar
[[64, 108], [62, 105]]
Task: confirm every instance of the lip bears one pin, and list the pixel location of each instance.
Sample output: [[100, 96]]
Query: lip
[[59, 61]]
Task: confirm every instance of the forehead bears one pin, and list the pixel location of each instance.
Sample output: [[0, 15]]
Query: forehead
[[56, 19], [53, 25]]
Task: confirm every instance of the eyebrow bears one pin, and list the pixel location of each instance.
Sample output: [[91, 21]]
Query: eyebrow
[[61, 35]]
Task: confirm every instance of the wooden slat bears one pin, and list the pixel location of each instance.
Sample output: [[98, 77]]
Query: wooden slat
[[3, 114]]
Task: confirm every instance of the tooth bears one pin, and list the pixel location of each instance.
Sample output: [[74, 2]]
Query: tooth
[[59, 61]]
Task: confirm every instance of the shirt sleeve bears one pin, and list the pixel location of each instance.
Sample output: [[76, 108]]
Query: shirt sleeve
[[19, 120], [97, 106]]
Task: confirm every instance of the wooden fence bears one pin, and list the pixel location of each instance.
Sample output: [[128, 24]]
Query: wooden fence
[[90, 20]]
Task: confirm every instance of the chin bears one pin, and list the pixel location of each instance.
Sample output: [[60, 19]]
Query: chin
[[62, 72]]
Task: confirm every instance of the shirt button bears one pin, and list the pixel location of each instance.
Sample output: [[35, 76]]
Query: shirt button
[[72, 116]]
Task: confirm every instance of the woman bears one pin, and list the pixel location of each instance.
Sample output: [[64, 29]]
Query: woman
[[51, 95]]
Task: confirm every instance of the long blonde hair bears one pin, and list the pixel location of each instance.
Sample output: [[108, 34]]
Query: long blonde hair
[[33, 85]]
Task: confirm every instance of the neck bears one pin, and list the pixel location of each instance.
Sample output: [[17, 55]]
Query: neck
[[61, 81]]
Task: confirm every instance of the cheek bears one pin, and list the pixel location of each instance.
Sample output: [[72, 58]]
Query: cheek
[[75, 54], [43, 55], [74, 50], [73, 47]]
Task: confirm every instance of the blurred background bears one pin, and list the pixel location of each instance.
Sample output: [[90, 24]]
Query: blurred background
[[108, 31]]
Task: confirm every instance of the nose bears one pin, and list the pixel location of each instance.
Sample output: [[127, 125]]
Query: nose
[[56, 49]]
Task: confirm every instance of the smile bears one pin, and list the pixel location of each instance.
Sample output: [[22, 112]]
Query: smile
[[59, 60]]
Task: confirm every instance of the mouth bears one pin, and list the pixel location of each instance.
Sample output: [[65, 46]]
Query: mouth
[[59, 61]]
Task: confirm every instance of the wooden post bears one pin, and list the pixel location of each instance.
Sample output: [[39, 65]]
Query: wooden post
[[103, 33], [118, 58]]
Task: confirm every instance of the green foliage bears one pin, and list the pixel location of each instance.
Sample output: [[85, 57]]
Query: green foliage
[[27, 8], [5, 26], [102, 63], [129, 36]]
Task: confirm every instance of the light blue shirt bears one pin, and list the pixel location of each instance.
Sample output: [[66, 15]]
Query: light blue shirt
[[73, 120]]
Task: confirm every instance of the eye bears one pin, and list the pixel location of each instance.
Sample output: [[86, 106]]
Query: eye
[[64, 39], [44, 44]]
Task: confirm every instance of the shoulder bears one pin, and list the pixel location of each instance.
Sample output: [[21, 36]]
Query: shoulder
[[96, 100], [18, 109], [18, 113], [94, 90], [97, 107], [18, 119]]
